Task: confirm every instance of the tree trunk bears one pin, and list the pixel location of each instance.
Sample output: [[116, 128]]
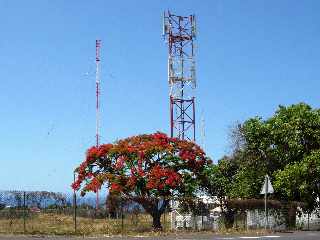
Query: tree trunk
[[229, 218], [151, 207], [228, 215], [292, 217], [156, 221]]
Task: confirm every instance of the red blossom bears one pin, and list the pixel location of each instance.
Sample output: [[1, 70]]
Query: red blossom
[[151, 184], [104, 149], [138, 159], [94, 185], [133, 170], [76, 185], [132, 182], [161, 186], [120, 162], [92, 153], [115, 187], [160, 177], [141, 155]]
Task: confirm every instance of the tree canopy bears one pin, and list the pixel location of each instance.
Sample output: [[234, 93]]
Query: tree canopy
[[285, 146], [147, 169]]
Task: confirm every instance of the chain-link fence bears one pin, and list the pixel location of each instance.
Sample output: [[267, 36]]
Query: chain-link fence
[[55, 213]]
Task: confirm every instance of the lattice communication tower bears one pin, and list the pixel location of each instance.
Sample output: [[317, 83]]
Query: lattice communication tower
[[180, 35]]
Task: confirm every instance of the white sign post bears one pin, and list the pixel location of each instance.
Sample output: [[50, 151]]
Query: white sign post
[[266, 188]]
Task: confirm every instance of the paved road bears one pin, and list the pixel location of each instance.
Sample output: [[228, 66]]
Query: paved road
[[180, 236]]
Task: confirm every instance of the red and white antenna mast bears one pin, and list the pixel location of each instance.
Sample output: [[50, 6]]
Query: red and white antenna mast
[[98, 45]]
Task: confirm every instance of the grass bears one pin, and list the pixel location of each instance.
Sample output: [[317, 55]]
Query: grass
[[60, 224], [63, 224]]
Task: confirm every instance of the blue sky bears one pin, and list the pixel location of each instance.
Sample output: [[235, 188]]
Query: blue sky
[[251, 57]]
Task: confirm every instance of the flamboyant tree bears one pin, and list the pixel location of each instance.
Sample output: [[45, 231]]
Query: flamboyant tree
[[148, 169]]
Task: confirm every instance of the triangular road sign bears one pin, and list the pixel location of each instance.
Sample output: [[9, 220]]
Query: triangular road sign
[[267, 186]]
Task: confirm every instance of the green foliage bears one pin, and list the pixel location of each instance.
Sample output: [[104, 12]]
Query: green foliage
[[219, 178], [247, 183], [284, 138], [286, 146], [301, 180], [280, 142]]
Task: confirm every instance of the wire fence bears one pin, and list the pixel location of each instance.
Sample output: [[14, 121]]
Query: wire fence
[[42, 212]]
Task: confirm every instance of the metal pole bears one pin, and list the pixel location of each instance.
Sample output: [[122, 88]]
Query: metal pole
[[194, 120], [171, 116], [75, 205], [265, 202], [202, 206], [122, 217], [164, 219], [98, 45], [171, 215], [24, 212], [195, 215]]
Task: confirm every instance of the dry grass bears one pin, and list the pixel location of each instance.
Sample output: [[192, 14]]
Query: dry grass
[[59, 224]]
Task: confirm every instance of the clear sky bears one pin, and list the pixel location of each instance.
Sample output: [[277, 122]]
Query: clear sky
[[251, 57]]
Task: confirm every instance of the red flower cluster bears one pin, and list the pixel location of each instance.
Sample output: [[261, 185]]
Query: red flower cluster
[[187, 155], [115, 187], [160, 177], [94, 185], [104, 149], [93, 154], [120, 162], [126, 163], [131, 183], [76, 185]]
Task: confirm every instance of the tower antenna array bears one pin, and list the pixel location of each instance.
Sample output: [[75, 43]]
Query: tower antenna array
[[180, 34]]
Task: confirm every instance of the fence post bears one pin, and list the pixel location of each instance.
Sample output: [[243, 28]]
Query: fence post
[[194, 213], [122, 217], [74, 205], [24, 212], [164, 218], [202, 208]]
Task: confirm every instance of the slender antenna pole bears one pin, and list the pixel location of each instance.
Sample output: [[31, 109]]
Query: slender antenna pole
[[203, 132], [98, 45]]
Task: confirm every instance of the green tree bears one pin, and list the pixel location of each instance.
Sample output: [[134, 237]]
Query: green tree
[[284, 146], [287, 137], [219, 183], [300, 181]]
